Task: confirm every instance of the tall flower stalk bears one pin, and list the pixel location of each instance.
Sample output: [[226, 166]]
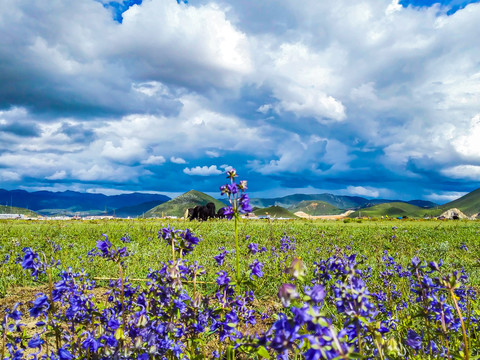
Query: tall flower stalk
[[239, 204]]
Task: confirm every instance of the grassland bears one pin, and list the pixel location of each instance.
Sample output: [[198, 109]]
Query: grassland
[[430, 240]]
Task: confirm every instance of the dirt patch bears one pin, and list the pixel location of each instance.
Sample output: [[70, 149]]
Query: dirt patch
[[324, 217]]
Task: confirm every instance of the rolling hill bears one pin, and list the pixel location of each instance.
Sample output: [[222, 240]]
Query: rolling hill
[[341, 202], [178, 205], [393, 209], [275, 211], [469, 204], [16, 210], [337, 201], [315, 208]]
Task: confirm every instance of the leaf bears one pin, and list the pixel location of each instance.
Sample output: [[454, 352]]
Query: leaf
[[230, 353], [263, 353]]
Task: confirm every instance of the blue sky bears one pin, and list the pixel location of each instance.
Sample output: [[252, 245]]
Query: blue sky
[[371, 98]]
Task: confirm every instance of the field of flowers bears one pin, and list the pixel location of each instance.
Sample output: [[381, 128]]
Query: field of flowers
[[239, 289]]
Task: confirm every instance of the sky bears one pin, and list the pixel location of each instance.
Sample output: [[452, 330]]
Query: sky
[[370, 98]]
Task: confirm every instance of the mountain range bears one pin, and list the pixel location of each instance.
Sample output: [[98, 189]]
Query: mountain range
[[71, 202], [153, 205]]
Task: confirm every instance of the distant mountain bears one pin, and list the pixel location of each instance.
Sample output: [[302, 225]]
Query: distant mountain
[[73, 201], [177, 206], [137, 210], [392, 209], [469, 204], [275, 211], [16, 210], [315, 208], [423, 203], [338, 201]]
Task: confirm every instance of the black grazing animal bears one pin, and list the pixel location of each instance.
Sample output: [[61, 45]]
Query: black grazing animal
[[202, 213], [221, 213]]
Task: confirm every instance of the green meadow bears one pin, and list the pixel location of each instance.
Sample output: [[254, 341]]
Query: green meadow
[[314, 240]]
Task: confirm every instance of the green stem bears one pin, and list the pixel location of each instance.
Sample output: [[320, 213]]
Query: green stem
[[464, 331], [173, 250], [122, 295], [52, 308], [237, 250], [4, 337]]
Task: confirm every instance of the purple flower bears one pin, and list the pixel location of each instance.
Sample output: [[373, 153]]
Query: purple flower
[[253, 247], [39, 306], [223, 279], [31, 261], [64, 354], [317, 293], [286, 293], [414, 340], [220, 258], [104, 246], [228, 212], [245, 204], [256, 269], [35, 342]]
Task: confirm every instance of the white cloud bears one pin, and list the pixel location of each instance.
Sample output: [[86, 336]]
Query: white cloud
[[154, 160], [469, 145], [198, 42], [7, 175], [128, 150], [58, 175], [445, 196], [177, 160], [265, 108], [203, 170], [470, 172], [402, 83], [213, 154], [363, 191]]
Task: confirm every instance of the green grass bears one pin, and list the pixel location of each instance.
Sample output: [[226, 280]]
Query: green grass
[[275, 212], [430, 240], [316, 208]]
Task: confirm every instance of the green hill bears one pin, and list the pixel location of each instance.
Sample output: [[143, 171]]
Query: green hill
[[393, 209], [16, 210], [275, 211], [315, 208], [178, 206], [469, 204]]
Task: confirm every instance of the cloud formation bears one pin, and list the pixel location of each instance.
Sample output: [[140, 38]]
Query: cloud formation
[[366, 97]]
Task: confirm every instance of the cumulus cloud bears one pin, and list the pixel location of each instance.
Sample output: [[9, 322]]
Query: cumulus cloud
[[362, 92], [362, 191], [154, 160], [58, 175], [471, 172], [444, 197], [177, 160], [7, 175], [203, 170]]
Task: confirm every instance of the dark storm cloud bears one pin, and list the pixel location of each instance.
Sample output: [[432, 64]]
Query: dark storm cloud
[[24, 129]]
